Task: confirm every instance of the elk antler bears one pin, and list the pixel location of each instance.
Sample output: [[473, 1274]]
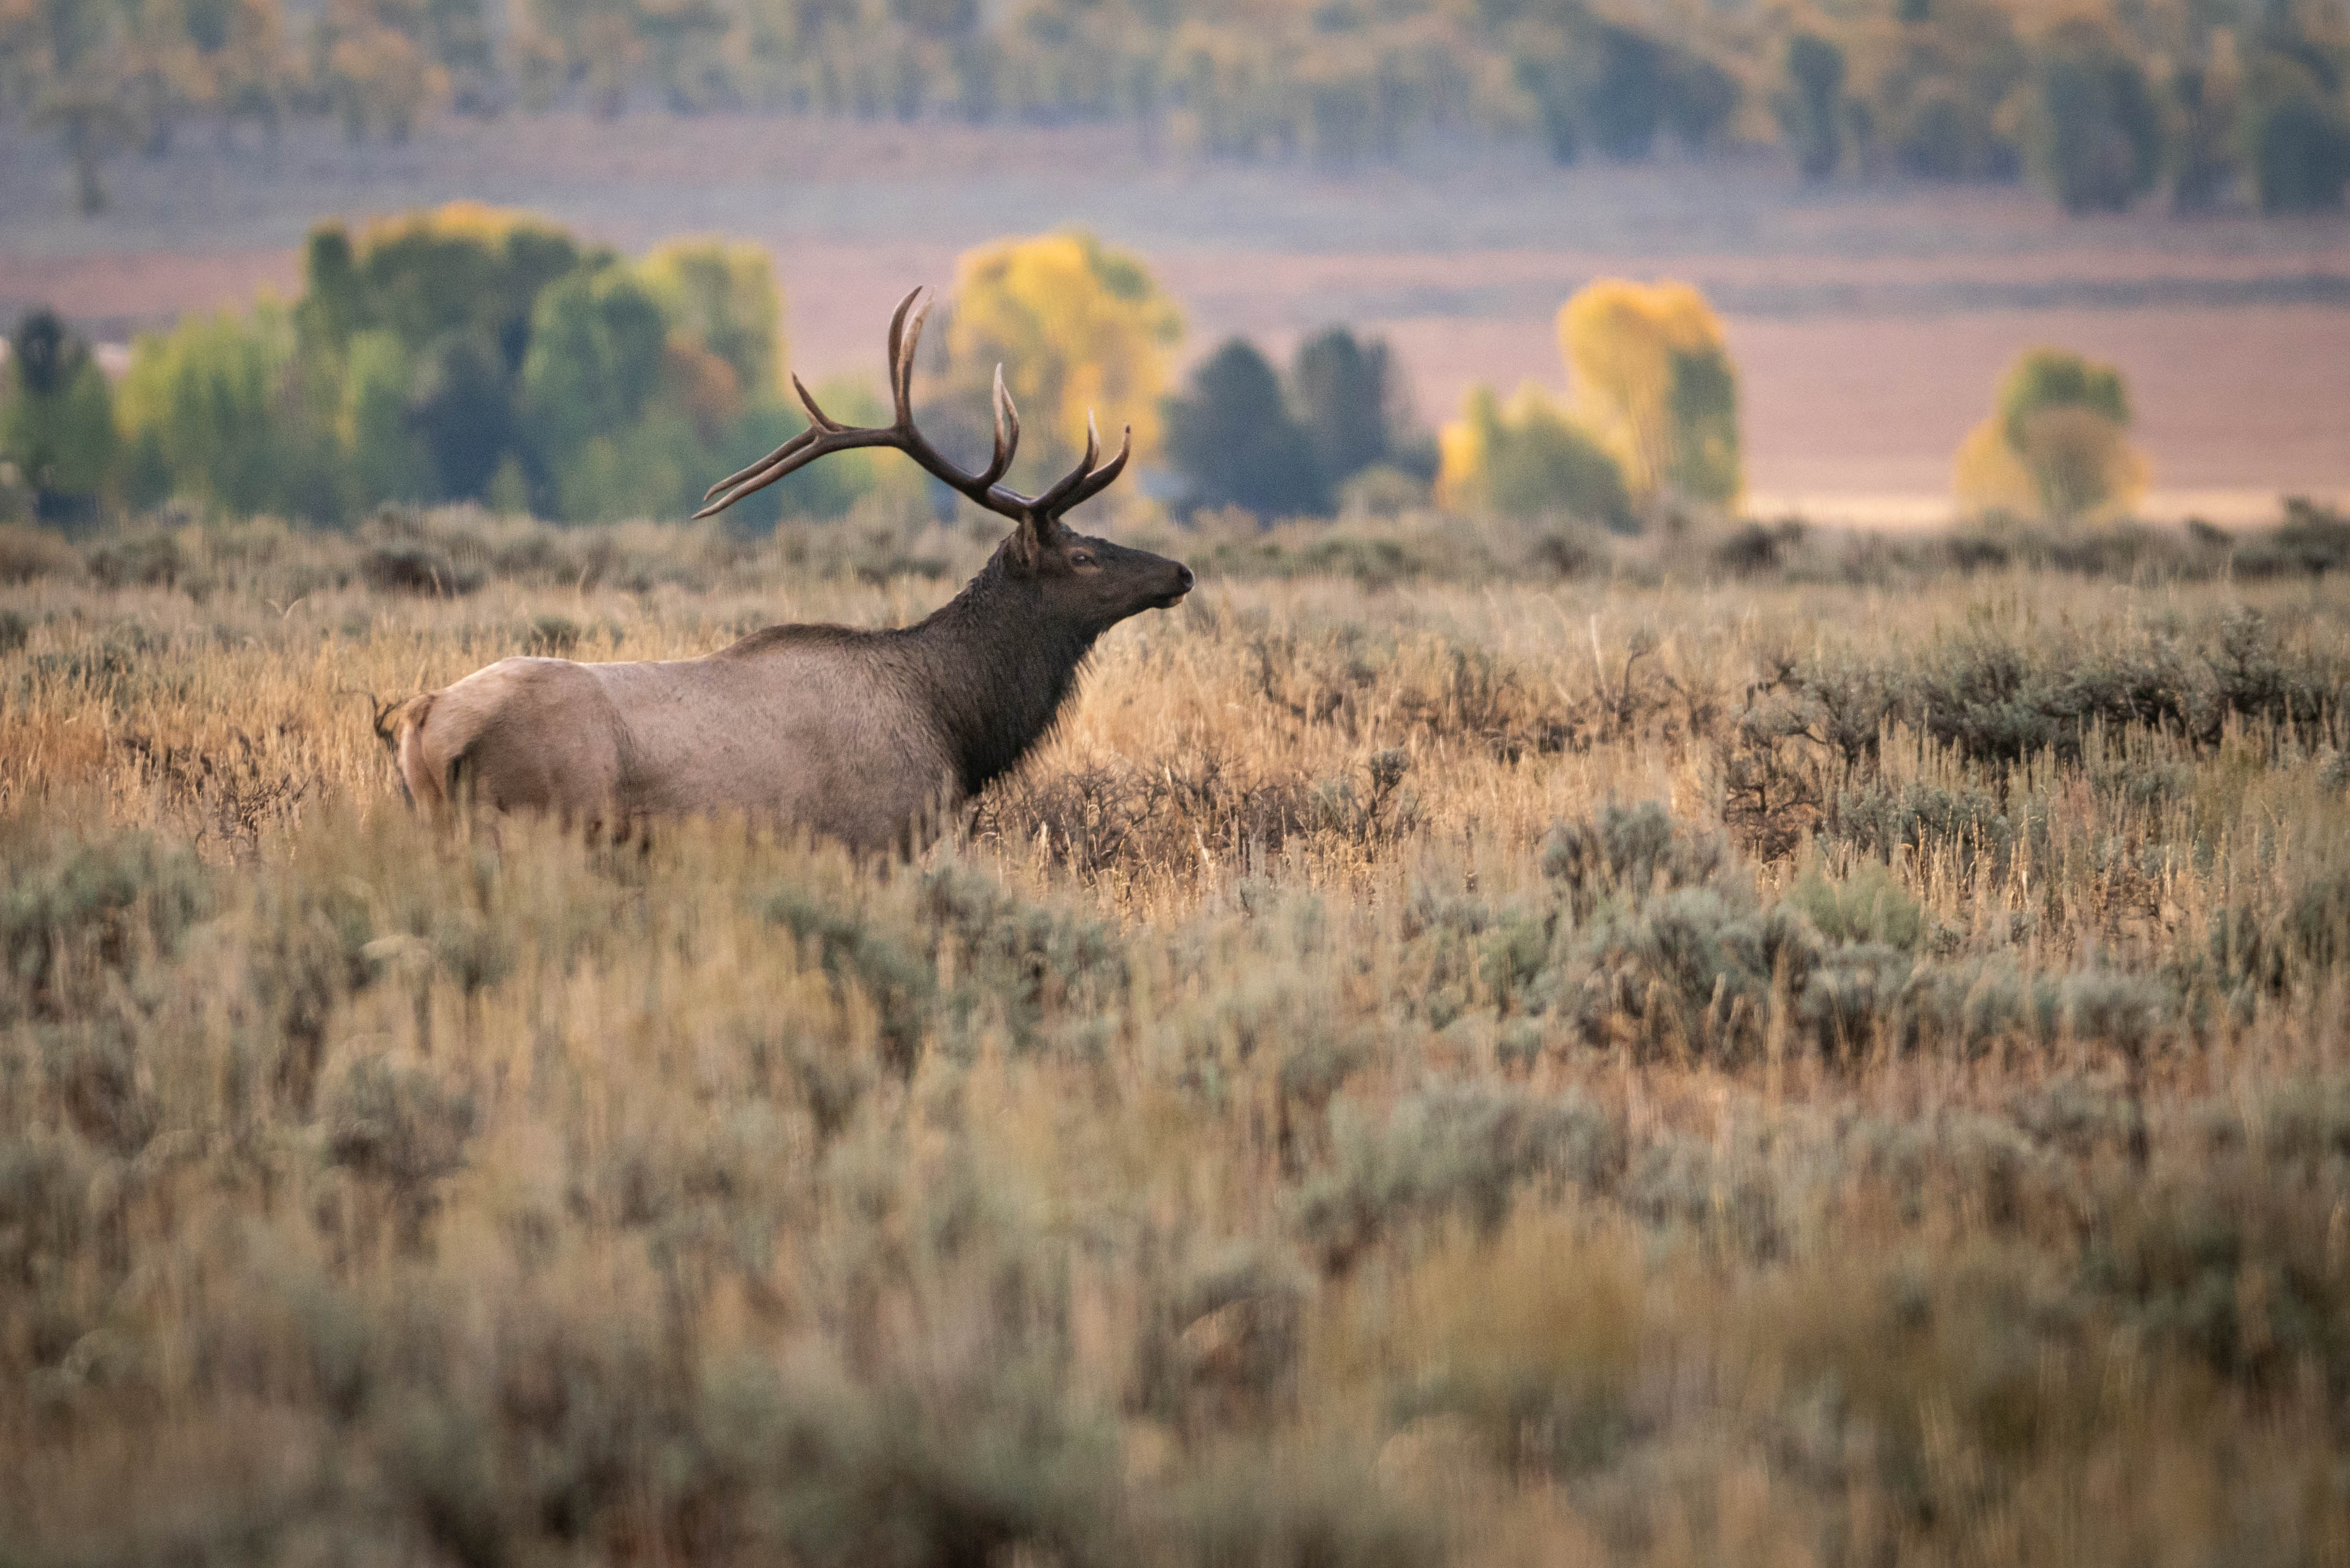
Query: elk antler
[[826, 434]]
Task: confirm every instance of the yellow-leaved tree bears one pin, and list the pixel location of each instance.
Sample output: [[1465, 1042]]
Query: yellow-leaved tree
[[1077, 327], [1653, 376], [1654, 416], [1528, 457], [2056, 448]]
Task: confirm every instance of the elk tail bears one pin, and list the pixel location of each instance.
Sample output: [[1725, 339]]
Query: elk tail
[[418, 777]]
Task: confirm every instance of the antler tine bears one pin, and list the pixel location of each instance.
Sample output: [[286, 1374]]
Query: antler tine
[[824, 424], [781, 452], [1102, 478], [1007, 432], [901, 361], [827, 435], [797, 454], [897, 334], [904, 348], [824, 421], [1062, 495]]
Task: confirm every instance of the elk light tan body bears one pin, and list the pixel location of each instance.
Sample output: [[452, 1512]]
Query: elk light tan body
[[863, 736]]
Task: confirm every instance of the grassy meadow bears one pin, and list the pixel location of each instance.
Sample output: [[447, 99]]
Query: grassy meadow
[[1469, 1047]]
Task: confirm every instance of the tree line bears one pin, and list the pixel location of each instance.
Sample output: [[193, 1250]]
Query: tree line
[[468, 354], [461, 354], [2199, 105], [473, 354]]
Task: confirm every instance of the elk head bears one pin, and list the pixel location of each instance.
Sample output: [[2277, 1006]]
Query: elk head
[[1090, 582]]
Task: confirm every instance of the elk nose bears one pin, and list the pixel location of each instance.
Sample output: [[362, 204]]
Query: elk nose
[[1184, 573]]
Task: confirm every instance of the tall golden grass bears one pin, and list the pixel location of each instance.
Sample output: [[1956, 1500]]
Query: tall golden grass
[[1653, 1066]]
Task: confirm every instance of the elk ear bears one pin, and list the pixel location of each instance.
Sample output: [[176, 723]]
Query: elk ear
[[1035, 537]]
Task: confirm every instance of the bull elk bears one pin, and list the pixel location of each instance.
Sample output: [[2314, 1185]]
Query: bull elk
[[859, 735]]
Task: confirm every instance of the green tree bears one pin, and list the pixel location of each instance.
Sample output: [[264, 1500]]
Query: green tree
[[724, 296], [595, 356], [1348, 399], [206, 416], [2098, 140], [386, 457], [594, 366], [463, 411], [467, 353], [56, 418], [461, 267], [2052, 377], [2296, 134], [1810, 108], [1234, 442], [445, 301], [333, 304]]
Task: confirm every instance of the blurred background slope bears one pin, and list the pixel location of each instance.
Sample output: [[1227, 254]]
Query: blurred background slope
[[1885, 203]]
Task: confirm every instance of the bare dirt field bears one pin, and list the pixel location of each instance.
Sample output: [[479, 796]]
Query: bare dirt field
[[1870, 324]]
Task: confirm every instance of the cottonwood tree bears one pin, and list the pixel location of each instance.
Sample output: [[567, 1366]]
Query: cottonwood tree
[[1653, 376], [1349, 396], [724, 296], [1078, 328], [2295, 126], [2057, 446], [207, 419], [1234, 442], [68, 62], [469, 353], [57, 418], [2098, 129], [1530, 458], [1811, 107]]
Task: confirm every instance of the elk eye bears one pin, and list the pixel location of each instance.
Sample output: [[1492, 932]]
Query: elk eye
[[1081, 558]]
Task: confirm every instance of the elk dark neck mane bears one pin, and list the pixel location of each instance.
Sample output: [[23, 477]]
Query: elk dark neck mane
[[997, 664]]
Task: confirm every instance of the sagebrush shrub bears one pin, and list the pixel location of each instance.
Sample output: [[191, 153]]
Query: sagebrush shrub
[[74, 910], [415, 567], [1636, 850], [1465, 1151], [401, 1124], [1868, 904], [1882, 819], [138, 561]]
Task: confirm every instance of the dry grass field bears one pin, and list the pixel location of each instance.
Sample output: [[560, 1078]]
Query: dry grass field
[[1490, 1048]]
